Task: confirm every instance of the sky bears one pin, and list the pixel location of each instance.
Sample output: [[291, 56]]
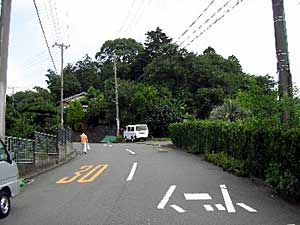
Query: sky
[[247, 32]]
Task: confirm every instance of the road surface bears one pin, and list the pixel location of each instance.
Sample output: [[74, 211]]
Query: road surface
[[141, 184]]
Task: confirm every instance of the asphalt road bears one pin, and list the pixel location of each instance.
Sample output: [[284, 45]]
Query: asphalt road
[[114, 186]]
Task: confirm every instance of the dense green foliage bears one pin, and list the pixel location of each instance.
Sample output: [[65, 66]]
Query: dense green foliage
[[270, 152], [31, 111], [160, 83]]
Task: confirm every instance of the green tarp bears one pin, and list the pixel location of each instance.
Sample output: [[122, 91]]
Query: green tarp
[[108, 139]]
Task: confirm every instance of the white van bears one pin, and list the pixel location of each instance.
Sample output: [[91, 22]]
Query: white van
[[9, 185], [136, 132]]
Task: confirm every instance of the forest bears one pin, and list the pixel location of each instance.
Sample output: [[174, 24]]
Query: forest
[[159, 83]]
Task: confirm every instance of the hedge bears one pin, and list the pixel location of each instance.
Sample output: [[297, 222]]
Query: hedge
[[271, 153]]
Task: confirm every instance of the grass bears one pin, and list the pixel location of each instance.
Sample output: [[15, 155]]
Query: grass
[[160, 139]]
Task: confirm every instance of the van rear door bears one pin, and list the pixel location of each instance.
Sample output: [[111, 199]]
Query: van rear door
[[8, 172]]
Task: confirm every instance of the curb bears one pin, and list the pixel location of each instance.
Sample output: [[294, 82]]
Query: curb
[[50, 168]]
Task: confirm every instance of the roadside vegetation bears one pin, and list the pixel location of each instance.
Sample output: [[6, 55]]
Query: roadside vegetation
[[246, 137], [214, 107], [159, 84]]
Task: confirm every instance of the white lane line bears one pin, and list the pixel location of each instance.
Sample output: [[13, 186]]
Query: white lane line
[[208, 208], [197, 196], [166, 198], [227, 199], [220, 207], [130, 176], [247, 207], [105, 145], [110, 146], [178, 208], [131, 152]]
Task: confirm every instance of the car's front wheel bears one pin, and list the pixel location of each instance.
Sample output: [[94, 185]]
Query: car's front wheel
[[4, 204]]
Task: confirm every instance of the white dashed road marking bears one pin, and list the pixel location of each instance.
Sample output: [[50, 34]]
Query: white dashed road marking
[[130, 176], [177, 208], [220, 207], [131, 152], [208, 208], [227, 199], [248, 208], [197, 196], [166, 198]]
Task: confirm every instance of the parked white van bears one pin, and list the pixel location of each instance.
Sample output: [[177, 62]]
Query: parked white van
[[136, 132], [9, 185]]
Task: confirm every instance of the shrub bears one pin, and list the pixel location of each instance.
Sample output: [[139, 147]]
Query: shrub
[[249, 146], [228, 163]]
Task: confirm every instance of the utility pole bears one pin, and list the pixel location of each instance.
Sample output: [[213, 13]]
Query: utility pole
[[117, 96], [4, 40], [283, 64], [62, 47]]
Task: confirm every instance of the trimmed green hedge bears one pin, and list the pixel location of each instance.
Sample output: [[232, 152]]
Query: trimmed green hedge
[[259, 147]]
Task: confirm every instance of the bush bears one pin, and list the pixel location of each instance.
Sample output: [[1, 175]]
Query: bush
[[249, 146], [228, 163], [283, 181]]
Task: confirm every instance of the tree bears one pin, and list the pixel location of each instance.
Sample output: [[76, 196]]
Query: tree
[[229, 111], [35, 110], [71, 84], [126, 51], [86, 72], [154, 41], [75, 115]]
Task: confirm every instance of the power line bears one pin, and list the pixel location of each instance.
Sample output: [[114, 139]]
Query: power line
[[127, 16], [136, 19], [53, 18], [136, 15], [192, 24], [215, 21], [50, 21], [44, 34], [206, 21]]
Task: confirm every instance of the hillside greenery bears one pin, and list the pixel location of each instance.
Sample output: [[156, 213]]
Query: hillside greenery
[[158, 84]]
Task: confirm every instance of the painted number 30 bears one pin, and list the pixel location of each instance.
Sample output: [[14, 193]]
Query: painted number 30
[[90, 176]]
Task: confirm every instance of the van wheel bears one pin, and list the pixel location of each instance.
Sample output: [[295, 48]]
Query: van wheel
[[4, 204], [132, 139]]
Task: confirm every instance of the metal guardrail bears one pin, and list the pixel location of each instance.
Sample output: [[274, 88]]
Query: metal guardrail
[[23, 149], [45, 143], [27, 151]]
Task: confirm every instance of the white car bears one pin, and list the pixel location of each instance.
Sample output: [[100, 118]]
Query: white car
[[136, 132], [9, 185]]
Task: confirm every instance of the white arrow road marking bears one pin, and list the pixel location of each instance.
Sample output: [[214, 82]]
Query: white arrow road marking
[[178, 209], [166, 198], [227, 199], [110, 146], [220, 207], [197, 196], [131, 152], [208, 208], [130, 176], [105, 145], [248, 208]]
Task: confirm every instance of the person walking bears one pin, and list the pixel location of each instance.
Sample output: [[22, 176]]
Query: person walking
[[84, 141]]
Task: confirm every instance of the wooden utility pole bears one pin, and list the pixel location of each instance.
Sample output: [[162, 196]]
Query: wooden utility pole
[[62, 47], [283, 64], [4, 40], [117, 96]]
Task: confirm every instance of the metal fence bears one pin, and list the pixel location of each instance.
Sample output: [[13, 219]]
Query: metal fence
[[31, 151], [23, 149]]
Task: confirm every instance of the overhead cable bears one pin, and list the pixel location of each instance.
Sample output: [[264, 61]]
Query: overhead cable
[[206, 21], [44, 34], [192, 24], [215, 21]]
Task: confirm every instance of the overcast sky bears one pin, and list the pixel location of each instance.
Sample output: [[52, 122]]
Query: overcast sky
[[246, 32]]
